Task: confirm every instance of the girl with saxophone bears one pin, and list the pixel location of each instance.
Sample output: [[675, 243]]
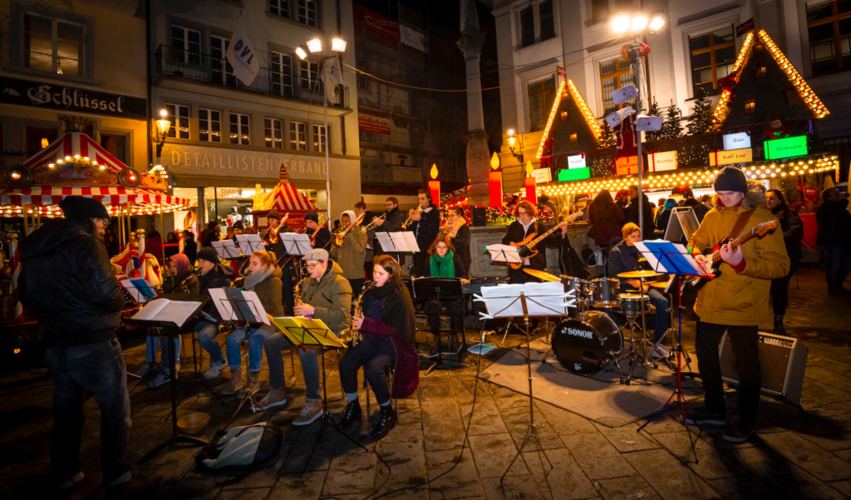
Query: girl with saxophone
[[264, 278], [387, 326], [180, 280]]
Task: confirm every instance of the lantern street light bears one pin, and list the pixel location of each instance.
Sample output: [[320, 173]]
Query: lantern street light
[[637, 25], [514, 142], [163, 126], [314, 46]]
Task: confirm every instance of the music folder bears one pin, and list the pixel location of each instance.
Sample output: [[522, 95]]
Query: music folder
[[307, 332], [139, 289], [170, 310], [235, 304], [296, 243], [227, 249], [670, 258]]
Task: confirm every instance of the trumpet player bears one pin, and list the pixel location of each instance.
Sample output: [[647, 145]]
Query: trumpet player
[[426, 225], [392, 222], [369, 228], [319, 236], [351, 255], [272, 242], [325, 295]]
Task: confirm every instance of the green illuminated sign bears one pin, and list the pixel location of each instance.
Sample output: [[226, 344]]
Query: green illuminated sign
[[574, 174], [785, 148]]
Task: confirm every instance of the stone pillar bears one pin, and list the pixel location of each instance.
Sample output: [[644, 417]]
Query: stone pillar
[[478, 153]]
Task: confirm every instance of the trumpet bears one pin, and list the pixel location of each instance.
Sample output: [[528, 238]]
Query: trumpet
[[374, 223], [341, 235], [273, 235], [351, 336], [411, 219]]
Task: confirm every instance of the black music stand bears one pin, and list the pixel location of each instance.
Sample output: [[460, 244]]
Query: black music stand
[[171, 329], [439, 289]]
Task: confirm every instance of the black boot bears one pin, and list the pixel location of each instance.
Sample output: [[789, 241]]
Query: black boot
[[351, 414], [778, 327], [386, 421]]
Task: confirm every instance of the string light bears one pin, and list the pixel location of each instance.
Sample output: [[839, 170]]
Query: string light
[[818, 109], [583, 108]]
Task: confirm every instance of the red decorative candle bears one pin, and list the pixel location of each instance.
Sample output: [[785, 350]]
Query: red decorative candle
[[531, 185], [434, 186], [495, 188]]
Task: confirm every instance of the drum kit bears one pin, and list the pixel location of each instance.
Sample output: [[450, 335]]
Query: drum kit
[[588, 341]]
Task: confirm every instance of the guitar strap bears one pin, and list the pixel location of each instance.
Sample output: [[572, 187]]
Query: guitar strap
[[740, 224]]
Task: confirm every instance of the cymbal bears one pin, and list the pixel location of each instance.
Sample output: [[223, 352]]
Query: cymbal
[[657, 284], [542, 275], [642, 259], [639, 274]]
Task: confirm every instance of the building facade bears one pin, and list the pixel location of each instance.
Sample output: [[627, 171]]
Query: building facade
[[82, 59], [228, 139], [697, 47]]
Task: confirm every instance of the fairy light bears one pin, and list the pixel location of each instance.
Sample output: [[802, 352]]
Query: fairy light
[[816, 107], [583, 108]]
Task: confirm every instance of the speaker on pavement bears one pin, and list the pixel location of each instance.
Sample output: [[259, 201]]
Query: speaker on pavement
[[782, 361], [480, 217]]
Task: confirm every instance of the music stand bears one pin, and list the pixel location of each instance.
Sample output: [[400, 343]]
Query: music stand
[[529, 299], [172, 319], [673, 258], [506, 254], [252, 242], [398, 243], [439, 289]]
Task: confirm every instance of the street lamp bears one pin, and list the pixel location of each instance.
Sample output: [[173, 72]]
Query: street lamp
[[338, 46], [513, 142], [163, 127], [637, 25]]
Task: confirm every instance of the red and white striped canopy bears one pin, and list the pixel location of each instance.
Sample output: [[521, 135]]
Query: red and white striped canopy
[[285, 197], [72, 144], [113, 196]]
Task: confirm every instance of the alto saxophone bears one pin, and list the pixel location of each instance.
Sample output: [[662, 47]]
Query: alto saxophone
[[297, 293], [351, 336]]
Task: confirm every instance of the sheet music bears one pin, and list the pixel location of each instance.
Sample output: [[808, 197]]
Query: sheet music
[[669, 258], [318, 333], [175, 311], [249, 305], [227, 249], [503, 253], [250, 243], [410, 241], [139, 289], [542, 299], [296, 243], [223, 305], [386, 242]]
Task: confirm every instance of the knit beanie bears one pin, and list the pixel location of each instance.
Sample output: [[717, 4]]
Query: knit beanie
[[311, 216], [82, 209], [208, 254], [731, 179], [274, 214]]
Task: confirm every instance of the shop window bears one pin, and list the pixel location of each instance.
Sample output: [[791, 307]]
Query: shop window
[[282, 74], [599, 11], [209, 125], [240, 132], [614, 74], [298, 139], [36, 136], [179, 117], [319, 138], [220, 68], [527, 27], [545, 12], [52, 45], [307, 12], [712, 58], [307, 75], [187, 45], [280, 8], [116, 145], [274, 133], [750, 107], [829, 28], [541, 97]]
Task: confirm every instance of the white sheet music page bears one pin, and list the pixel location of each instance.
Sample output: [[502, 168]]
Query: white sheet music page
[[503, 253], [223, 305], [174, 311], [250, 243], [503, 301], [411, 241], [386, 242], [545, 299], [399, 241], [256, 307]]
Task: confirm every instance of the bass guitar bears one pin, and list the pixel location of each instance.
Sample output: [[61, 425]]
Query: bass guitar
[[715, 261], [526, 248]]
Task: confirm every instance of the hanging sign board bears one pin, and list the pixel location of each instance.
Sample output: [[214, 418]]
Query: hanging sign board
[[745, 27], [574, 174], [786, 148], [577, 161], [627, 165], [737, 141], [658, 162], [542, 175], [730, 157]]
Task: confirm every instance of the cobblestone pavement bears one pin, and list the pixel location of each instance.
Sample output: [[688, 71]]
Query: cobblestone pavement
[[789, 458]]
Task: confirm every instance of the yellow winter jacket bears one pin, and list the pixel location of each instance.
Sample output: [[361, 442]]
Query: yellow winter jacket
[[740, 299]]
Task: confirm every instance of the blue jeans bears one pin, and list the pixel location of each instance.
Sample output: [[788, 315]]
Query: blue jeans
[[837, 264], [207, 338], [663, 313], [151, 350], [309, 365], [256, 338], [98, 368]]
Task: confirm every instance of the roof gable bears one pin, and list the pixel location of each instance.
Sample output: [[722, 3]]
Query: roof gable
[[579, 119]]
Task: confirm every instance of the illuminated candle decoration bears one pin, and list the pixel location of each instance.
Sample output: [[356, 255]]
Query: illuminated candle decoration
[[495, 183], [434, 186], [531, 185]]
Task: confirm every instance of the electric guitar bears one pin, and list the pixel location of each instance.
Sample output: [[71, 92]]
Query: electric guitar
[[715, 261], [526, 248]]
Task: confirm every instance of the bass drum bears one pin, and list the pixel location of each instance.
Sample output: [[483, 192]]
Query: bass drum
[[584, 347]]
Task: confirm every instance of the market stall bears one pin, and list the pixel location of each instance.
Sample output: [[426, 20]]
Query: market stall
[[287, 200]]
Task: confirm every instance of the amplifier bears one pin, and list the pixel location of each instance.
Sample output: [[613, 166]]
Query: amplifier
[[480, 216], [782, 361]]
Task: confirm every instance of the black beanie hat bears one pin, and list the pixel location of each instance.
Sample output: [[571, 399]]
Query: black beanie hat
[[209, 255], [238, 225], [731, 179], [83, 209], [311, 216], [274, 214]]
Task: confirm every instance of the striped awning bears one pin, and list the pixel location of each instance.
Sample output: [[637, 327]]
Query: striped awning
[[112, 196], [73, 144], [285, 197]]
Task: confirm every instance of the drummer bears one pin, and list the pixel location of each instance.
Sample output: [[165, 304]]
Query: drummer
[[624, 258]]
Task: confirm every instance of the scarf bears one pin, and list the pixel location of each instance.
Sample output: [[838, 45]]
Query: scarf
[[442, 267], [254, 279]]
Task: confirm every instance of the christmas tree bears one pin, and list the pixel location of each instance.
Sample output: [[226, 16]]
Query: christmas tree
[[700, 120], [653, 111], [672, 126], [607, 137]]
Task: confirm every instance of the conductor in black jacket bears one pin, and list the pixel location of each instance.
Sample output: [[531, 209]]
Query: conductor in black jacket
[[526, 224], [426, 225], [68, 283]]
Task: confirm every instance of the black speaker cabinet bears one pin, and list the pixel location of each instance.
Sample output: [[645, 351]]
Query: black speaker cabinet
[[480, 216], [782, 361]]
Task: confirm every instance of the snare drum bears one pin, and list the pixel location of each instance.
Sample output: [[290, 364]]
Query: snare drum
[[606, 293], [582, 288], [631, 303]]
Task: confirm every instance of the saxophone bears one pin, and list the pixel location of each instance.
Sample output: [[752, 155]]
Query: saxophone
[[351, 336], [297, 293]]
